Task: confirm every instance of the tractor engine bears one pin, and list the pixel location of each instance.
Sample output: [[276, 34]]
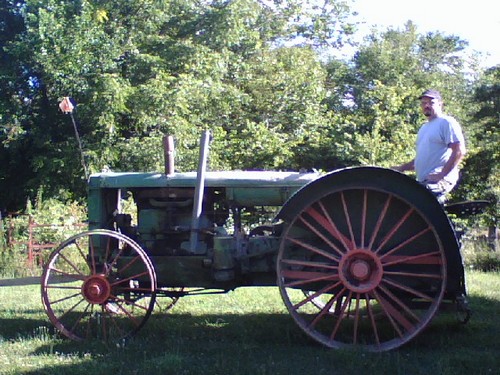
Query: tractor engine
[[164, 218]]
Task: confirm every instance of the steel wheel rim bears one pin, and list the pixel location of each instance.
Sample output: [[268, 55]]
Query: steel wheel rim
[[106, 294], [347, 249]]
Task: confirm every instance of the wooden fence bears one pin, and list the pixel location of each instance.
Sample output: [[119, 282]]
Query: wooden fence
[[38, 239]]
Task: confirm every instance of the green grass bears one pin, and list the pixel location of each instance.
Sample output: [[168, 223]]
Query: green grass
[[247, 331]]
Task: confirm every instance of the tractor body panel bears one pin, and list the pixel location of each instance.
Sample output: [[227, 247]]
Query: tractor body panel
[[164, 214]]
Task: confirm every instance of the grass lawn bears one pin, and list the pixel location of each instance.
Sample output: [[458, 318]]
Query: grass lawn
[[247, 331]]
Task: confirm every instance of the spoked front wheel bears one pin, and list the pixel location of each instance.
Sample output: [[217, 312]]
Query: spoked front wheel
[[361, 267], [98, 284]]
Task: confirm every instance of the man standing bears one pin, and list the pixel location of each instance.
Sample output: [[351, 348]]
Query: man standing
[[439, 149]]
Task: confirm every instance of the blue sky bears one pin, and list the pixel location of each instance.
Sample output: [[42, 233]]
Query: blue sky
[[476, 21]]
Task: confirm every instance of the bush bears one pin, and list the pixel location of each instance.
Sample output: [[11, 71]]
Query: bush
[[479, 254], [59, 220]]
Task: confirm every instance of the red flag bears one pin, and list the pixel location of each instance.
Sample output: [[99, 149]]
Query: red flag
[[66, 106]]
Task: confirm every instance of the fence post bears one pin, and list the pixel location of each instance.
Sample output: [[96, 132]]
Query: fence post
[[30, 241], [493, 238], [3, 240]]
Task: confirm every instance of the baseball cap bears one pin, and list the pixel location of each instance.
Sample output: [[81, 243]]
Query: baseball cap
[[434, 94]]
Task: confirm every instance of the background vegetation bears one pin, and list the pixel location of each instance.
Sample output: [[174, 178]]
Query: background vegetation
[[262, 75]]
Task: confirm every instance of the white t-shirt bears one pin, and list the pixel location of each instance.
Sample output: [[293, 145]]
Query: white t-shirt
[[432, 147]]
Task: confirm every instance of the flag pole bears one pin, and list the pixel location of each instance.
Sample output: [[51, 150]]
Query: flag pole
[[67, 107]]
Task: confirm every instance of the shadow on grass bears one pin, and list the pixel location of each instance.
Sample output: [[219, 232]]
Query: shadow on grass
[[266, 344], [24, 327]]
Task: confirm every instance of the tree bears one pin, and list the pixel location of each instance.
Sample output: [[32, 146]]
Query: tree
[[142, 69], [386, 76], [481, 172]]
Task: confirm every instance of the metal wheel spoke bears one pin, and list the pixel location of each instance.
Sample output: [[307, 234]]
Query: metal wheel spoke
[[306, 263], [317, 294], [126, 313], [326, 309], [395, 228], [313, 229], [400, 303], [393, 314], [372, 320], [80, 251], [336, 232], [349, 307], [408, 289], [426, 258], [405, 243], [129, 264], [313, 249], [60, 287], [74, 277], [340, 316], [53, 302], [72, 265], [92, 255], [81, 316], [347, 216], [323, 219], [303, 277], [380, 220], [356, 320], [136, 276], [415, 274], [363, 218], [117, 256], [108, 251], [128, 303]]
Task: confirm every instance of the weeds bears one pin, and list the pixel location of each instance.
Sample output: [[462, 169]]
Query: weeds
[[26, 239], [481, 254]]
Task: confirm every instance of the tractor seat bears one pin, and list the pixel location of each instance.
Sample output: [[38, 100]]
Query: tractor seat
[[466, 208]]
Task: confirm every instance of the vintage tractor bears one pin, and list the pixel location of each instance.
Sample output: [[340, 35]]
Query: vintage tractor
[[363, 257]]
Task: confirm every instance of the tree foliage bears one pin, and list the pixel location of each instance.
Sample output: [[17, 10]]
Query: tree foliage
[[481, 178], [257, 73], [142, 69]]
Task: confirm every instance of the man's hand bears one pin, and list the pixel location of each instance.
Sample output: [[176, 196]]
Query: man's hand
[[457, 154], [435, 177]]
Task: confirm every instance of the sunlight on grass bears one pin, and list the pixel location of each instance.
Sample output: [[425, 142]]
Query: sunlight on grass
[[484, 284], [240, 301], [246, 331]]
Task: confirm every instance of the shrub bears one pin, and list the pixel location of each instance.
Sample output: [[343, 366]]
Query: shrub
[[479, 253], [59, 220]]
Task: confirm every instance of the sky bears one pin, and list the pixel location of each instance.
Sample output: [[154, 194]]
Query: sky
[[477, 21]]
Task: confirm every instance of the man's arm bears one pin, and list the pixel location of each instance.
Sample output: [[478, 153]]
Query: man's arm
[[410, 166], [457, 154]]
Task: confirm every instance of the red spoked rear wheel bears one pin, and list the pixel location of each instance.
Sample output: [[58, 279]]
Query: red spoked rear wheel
[[361, 267]]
